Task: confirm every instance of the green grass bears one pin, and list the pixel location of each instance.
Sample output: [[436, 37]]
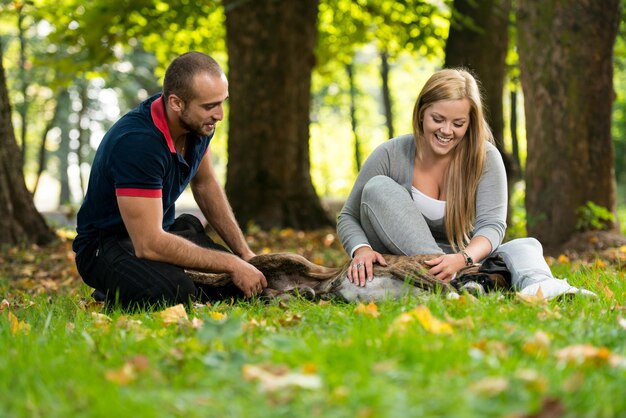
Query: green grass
[[67, 363]]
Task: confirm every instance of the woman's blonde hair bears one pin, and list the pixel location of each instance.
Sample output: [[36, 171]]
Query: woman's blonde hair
[[468, 157]]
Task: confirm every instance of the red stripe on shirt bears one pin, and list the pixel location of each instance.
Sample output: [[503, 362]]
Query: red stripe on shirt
[[157, 193], [157, 111]]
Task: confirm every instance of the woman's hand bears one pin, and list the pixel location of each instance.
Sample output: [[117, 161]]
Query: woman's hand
[[445, 266], [362, 265]]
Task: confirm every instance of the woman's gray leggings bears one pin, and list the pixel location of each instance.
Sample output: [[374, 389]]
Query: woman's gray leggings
[[394, 225]]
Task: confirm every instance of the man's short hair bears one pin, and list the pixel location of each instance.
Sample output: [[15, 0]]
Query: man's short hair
[[182, 70]]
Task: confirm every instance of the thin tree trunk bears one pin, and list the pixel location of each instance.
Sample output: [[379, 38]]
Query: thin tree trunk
[[20, 221], [514, 139], [23, 108], [353, 120], [566, 61], [41, 161], [271, 58], [82, 132], [64, 150], [384, 75]]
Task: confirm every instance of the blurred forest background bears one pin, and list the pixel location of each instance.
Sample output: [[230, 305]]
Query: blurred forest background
[[315, 86]]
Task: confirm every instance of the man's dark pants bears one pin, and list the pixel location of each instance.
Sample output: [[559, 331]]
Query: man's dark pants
[[110, 266]]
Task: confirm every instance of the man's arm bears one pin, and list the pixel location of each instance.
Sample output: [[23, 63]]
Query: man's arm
[[143, 219], [212, 200]]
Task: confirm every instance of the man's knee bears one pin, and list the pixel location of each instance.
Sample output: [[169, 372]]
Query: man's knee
[[187, 222], [176, 290]]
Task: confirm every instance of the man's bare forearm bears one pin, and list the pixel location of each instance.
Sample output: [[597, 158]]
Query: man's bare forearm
[[212, 201]]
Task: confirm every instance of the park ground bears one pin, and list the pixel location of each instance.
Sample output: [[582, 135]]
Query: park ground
[[499, 355]]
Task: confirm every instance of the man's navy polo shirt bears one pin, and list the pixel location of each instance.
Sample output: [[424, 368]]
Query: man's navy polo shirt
[[136, 158]]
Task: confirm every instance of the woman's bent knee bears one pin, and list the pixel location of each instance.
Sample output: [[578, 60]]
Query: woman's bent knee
[[379, 187]]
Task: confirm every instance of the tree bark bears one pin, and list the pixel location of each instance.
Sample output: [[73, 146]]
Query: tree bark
[[353, 120], [384, 76], [271, 57], [20, 222], [566, 61], [479, 41]]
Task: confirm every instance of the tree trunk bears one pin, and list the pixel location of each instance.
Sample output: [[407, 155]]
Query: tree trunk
[[271, 57], [479, 41], [64, 150], [20, 222], [384, 75], [353, 120], [23, 108], [514, 141], [566, 61]]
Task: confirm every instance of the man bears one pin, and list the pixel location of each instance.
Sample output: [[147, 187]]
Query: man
[[129, 247]]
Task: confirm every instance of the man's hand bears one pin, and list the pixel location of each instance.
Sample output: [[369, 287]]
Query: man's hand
[[248, 278]]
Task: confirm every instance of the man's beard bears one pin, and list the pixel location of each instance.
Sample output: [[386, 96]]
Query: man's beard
[[193, 127]]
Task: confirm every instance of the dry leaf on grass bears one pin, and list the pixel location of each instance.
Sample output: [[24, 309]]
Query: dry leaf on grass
[[289, 319], [536, 299], [490, 386], [128, 373], [368, 310], [174, 315], [17, 326], [532, 380], [272, 378], [218, 316], [538, 344], [425, 318], [587, 354], [101, 320]]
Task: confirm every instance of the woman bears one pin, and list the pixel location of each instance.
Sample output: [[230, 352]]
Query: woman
[[441, 190]]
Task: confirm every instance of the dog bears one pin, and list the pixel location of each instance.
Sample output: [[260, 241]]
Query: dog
[[290, 274]]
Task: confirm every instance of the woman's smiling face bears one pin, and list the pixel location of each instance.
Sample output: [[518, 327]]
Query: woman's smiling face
[[445, 124]]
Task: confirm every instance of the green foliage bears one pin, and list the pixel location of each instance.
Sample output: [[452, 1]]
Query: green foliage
[[593, 217], [416, 26]]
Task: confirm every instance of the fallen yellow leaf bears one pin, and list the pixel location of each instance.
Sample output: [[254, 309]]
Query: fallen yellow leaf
[[532, 379], [466, 322], [17, 326], [218, 316], [607, 292], [536, 299], [174, 315], [422, 315], [401, 323], [368, 310], [197, 323], [538, 344], [563, 259], [590, 355], [290, 319], [122, 376], [128, 372], [490, 386], [101, 320], [272, 378], [429, 322]]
